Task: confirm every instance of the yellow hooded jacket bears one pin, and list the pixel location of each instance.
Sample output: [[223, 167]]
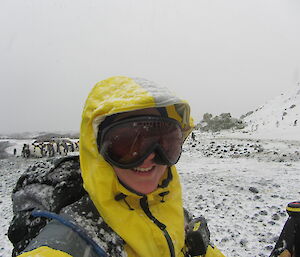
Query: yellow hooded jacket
[[150, 225]]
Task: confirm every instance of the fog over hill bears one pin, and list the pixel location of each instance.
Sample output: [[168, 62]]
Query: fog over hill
[[278, 118], [41, 135]]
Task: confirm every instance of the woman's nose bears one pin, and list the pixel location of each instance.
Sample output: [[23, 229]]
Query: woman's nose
[[149, 158]]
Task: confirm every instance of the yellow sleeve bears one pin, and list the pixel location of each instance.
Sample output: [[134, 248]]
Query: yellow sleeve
[[213, 252], [44, 251]]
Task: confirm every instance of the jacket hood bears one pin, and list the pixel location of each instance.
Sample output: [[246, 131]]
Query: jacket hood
[[122, 94]]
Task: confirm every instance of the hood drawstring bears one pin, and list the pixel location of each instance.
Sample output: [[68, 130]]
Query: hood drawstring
[[122, 196], [167, 180], [162, 195]]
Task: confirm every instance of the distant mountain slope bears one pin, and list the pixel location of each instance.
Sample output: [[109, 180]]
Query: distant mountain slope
[[41, 135], [279, 116]]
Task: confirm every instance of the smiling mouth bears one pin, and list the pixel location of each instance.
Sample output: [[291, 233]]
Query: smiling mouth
[[143, 170]]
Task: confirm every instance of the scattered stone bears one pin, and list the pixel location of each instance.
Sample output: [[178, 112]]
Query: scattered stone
[[263, 212], [282, 214], [257, 197], [275, 196], [253, 190], [225, 239], [275, 216], [218, 206], [269, 247]]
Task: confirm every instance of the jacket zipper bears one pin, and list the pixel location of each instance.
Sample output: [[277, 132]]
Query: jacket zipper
[[145, 207]]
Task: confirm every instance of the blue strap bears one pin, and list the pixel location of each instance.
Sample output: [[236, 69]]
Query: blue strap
[[74, 227]]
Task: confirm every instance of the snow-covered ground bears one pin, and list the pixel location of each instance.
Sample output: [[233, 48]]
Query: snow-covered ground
[[243, 192], [241, 184]]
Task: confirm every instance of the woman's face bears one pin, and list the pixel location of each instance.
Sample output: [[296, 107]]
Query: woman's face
[[144, 178]]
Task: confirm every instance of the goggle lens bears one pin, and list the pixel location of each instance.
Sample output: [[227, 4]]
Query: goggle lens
[[127, 143]]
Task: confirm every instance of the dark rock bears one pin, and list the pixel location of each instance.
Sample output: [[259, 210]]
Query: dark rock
[[269, 247], [253, 190], [243, 242], [264, 213], [275, 216]]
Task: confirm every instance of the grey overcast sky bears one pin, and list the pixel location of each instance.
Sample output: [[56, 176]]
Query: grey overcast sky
[[220, 55]]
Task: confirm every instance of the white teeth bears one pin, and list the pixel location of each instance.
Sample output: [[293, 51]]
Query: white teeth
[[142, 169]]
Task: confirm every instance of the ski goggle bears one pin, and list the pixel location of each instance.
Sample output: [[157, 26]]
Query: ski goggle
[[127, 143]]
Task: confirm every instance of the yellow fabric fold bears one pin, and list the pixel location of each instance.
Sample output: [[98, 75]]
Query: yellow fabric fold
[[45, 251], [213, 252]]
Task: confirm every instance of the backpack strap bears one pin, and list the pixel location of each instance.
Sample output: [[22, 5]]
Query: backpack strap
[[64, 235], [79, 231]]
